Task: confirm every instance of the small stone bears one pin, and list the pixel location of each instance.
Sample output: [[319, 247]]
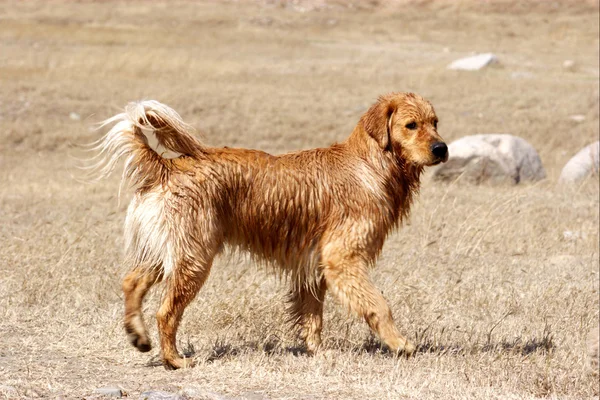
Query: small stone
[[573, 236], [109, 391], [74, 116], [474, 63], [8, 391], [160, 395], [569, 64], [577, 118], [201, 394], [253, 396]]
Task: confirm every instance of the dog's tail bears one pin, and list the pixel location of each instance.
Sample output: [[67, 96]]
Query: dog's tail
[[129, 138]]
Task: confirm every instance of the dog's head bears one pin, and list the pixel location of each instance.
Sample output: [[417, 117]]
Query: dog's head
[[406, 124]]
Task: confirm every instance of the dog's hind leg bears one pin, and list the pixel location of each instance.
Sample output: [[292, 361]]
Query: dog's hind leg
[[347, 278], [306, 309], [135, 286], [182, 286]]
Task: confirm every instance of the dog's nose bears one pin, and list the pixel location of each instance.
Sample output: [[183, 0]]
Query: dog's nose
[[440, 150]]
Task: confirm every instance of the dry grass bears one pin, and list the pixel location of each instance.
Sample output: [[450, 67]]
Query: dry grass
[[482, 278]]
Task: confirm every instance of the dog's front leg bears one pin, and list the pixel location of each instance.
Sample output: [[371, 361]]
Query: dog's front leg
[[347, 278], [306, 309]]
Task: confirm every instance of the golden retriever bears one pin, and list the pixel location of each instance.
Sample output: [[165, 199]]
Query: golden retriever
[[320, 216]]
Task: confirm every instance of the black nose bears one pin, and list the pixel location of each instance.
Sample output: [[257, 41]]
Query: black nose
[[440, 150]]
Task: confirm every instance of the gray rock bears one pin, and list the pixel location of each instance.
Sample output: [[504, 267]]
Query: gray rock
[[8, 392], [474, 63], [202, 394], [160, 395], [253, 396], [584, 164], [109, 391], [491, 158]]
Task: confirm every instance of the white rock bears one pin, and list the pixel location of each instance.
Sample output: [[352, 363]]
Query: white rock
[[583, 164], [569, 64], [160, 395], [74, 116], [491, 158], [109, 391], [199, 393], [474, 63], [253, 396], [573, 236], [577, 118]]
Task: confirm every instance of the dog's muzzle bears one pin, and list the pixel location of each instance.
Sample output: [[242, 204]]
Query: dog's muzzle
[[440, 151]]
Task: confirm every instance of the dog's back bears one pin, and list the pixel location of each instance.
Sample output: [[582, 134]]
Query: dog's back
[[277, 208]]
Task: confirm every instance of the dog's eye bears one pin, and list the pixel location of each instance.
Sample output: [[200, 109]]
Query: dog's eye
[[435, 122], [411, 126]]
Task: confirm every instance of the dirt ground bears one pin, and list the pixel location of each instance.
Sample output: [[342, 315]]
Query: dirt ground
[[484, 279]]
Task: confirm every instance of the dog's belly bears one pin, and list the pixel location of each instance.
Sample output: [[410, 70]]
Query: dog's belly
[[275, 237], [280, 236]]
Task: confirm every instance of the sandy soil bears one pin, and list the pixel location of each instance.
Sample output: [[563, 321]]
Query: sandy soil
[[484, 279]]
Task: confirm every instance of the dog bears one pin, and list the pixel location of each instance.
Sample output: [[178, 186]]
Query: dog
[[319, 216]]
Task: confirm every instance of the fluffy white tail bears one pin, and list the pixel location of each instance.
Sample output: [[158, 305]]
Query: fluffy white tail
[[144, 166]]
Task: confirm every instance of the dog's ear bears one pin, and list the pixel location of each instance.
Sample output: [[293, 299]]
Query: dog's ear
[[377, 122]]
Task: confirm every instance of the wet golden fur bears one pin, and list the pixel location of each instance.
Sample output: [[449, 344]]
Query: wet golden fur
[[319, 216]]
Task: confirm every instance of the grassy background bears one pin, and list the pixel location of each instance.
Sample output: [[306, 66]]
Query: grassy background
[[482, 278]]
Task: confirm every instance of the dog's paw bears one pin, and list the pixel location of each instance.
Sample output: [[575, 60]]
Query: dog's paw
[[409, 349], [140, 342], [178, 363]]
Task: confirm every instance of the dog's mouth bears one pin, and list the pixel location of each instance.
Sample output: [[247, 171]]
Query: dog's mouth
[[439, 160]]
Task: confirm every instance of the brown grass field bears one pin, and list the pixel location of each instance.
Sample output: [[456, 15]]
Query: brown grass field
[[482, 278]]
